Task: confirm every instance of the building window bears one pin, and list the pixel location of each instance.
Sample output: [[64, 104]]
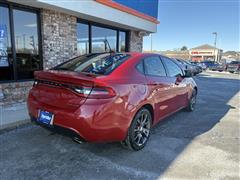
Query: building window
[[26, 43], [95, 38], [6, 58], [19, 43], [122, 41], [82, 38], [103, 39]]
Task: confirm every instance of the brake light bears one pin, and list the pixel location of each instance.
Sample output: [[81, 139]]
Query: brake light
[[96, 92], [35, 83], [101, 93], [85, 91]]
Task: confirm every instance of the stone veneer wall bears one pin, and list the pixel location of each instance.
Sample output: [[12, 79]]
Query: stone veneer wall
[[12, 93], [59, 37], [135, 42]]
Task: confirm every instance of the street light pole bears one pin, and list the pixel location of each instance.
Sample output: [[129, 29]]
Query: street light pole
[[151, 42], [215, 46]]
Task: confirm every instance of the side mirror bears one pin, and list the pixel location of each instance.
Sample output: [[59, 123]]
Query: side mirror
[[187, 73]]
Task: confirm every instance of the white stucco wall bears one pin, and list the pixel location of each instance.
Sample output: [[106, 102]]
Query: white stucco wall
[[94, 11]]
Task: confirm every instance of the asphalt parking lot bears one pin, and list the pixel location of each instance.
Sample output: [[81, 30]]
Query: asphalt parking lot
[[199, 145]]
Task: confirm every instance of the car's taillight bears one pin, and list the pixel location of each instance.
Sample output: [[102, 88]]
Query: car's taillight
[[95, 92], [101, 93], [35, 83], [84, 91]]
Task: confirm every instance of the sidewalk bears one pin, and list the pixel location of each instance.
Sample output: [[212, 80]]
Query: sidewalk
[[11, 117]]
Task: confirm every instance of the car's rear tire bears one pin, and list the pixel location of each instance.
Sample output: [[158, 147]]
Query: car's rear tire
[[139, 131], [192, 101]]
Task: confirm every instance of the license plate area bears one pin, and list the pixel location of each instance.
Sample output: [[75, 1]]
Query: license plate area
[[45, 117]]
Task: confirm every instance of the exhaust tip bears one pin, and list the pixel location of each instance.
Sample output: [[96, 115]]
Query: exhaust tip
[[77, 140]]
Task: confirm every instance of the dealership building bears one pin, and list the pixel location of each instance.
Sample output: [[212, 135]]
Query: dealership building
[[39, 34], [205, 52]]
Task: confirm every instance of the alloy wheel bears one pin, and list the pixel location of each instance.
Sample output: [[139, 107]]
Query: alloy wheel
[[193, 101], [142, 129]]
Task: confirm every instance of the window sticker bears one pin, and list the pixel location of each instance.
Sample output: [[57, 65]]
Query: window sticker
[[3, 46]]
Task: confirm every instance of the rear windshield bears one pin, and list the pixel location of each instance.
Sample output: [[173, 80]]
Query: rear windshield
[[101, 64]]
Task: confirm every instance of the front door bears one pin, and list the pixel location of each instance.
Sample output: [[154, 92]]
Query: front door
[[178, 85]]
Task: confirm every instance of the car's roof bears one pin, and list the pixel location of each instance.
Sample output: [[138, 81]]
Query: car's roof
[[133, 53], [140, 53], [137, 54]]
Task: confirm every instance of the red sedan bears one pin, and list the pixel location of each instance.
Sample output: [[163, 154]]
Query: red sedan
[[108, 97]]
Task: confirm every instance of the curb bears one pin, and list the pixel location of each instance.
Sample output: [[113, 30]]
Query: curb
[[16, 125]]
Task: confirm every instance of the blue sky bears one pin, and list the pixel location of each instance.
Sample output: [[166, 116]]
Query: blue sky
[[191, 23]]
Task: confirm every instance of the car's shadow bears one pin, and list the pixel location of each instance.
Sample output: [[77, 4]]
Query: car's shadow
[[44, 155], [172, 135]]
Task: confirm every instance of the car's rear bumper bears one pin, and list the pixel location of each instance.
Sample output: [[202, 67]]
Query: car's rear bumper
[[58, 129], [103, 122]]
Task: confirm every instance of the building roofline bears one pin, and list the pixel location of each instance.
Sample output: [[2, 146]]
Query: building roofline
[[128, 10], [93, 11], [201, 47]]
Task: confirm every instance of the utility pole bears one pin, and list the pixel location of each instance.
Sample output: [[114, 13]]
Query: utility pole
[[24, 41], [17, 42], [151, 43], [215, 45]]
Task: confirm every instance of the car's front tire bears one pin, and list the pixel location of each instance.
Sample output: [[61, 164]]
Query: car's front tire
[[192, 101], [139, 131]]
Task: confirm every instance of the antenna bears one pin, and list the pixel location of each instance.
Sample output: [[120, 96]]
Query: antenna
[[106, 41]]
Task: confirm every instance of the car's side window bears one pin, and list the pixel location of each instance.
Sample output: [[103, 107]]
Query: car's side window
[[140, 67], [173, 69], [153, 66]]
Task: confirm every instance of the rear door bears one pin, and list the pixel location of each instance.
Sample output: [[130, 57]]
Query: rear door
[[178, 85], [158, 85]]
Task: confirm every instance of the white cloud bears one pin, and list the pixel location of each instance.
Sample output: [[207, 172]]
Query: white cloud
[[30, 25]]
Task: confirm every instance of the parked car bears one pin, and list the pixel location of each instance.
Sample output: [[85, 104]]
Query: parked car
[[198, 68], [221, 67], [233, 67], [199, 64], [188, 66], [211, 65], [203, 66], [111, 97]]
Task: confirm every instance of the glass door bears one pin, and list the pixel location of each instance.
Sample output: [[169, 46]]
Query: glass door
[[26, 43], [6, 57]]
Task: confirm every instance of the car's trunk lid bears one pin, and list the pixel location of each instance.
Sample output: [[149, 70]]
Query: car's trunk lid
[[57, 88]]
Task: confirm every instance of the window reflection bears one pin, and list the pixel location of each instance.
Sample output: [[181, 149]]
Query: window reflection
[[122, 42], [6, 61], [154, 67], [172, 67], [82, 39], [26, 43], [101, 37]]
